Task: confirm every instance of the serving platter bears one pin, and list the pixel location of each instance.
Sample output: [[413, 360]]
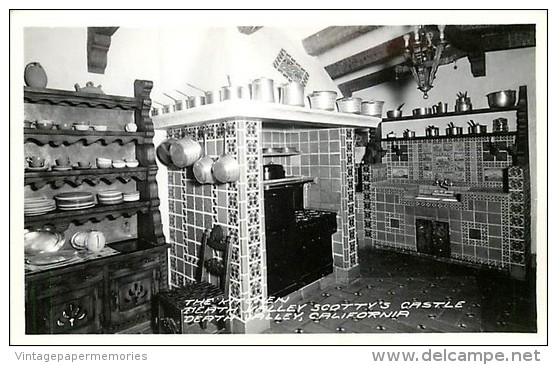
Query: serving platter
[[52, 258]]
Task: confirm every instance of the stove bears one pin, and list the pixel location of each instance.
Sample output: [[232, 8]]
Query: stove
[[310, 217]]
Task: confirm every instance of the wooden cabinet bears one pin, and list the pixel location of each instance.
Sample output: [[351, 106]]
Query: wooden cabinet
[[110, 292], [66, 303], [132, 286]]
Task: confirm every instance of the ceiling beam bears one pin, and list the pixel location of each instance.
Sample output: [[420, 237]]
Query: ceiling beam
[[331, 37], [389, 74], [370, 57], [471, 41], [372, 79], [249, 30]]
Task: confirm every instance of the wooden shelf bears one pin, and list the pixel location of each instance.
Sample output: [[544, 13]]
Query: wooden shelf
[[91, 176], [281, 154], [57, 137], [73, 98], [451, 114], [98, 213], [495, 134]]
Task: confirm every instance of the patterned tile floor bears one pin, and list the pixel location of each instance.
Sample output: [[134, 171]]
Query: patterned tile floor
[[492, 302]]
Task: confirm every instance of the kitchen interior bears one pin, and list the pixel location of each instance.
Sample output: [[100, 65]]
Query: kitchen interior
[[342, 164]]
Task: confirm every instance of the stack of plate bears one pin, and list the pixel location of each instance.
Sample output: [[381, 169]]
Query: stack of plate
[[38, 206], [75, 200], [109, 197], [131, 197]]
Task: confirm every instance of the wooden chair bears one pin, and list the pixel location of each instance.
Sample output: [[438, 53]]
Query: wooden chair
[[175, 306]]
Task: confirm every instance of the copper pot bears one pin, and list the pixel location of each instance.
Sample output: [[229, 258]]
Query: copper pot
[[226, 168], [202, 168], [184, 152]]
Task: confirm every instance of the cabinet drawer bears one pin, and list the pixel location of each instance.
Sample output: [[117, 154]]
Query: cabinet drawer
[[132, 265], [54, 284], [73, 311]]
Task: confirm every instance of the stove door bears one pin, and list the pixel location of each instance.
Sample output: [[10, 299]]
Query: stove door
[[279, 208]]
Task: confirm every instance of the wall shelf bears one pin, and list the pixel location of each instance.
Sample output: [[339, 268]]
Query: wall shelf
[[91, 176], [96, 213], [56, 137], [280, 154], [271, 114], [72, 98], [478, 135], [451, 114]]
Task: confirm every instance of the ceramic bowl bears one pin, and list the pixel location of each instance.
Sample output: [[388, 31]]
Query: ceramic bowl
[[104, 164], [64, 126], [118, 164], [132, 163], [44, 124], [131, 127], [81, 127], [100, 128]]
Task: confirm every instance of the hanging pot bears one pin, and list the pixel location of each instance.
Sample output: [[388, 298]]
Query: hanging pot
[[34, 75], [226, 168], [163, 151], [202, 168], [184, 152]]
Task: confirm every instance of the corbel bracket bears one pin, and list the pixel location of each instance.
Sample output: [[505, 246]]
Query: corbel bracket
[[98, 43]]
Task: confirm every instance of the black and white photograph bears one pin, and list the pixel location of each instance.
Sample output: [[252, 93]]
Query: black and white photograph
[[278, 177]]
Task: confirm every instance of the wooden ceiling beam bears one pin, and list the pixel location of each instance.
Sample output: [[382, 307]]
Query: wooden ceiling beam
[[381, 53], [249, 30], [372, 79], [331, 37]]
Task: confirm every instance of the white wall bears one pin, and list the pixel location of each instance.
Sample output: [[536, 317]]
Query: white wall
[[504, 70]]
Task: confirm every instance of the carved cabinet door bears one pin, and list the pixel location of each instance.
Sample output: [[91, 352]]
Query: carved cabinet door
[[130, 297], [76, 311]]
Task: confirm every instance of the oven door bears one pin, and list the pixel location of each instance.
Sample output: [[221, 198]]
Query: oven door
[[279, 208]]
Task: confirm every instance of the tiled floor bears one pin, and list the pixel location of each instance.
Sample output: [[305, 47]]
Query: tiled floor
[[492, 301]]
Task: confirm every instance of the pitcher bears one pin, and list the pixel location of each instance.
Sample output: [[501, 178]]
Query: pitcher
[[263, 89], [292, 93]]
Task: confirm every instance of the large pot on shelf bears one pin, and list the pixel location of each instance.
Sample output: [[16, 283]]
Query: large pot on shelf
[[273, 171]]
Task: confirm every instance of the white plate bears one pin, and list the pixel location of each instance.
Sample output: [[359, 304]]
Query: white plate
[[131, 199], [61, 168], [111, 202], [42, 209], [46, 204], [77, 207], [42, 168], [73, 196]]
